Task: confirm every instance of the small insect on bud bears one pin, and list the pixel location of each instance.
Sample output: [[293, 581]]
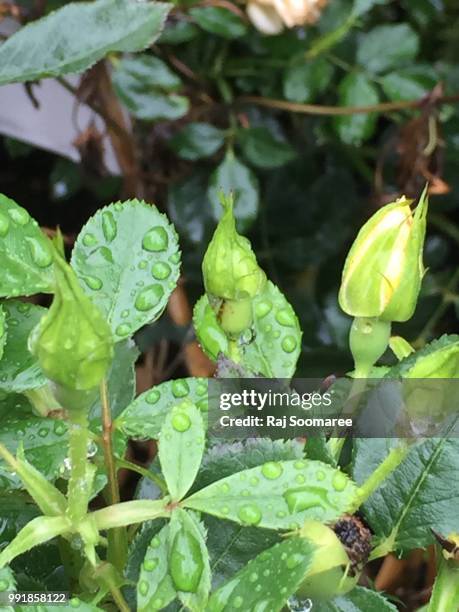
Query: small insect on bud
[[339, 555], [232, 276], [383, 271], [73, 341]]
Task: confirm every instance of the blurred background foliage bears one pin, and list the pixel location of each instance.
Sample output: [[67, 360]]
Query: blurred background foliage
[[217, 104]]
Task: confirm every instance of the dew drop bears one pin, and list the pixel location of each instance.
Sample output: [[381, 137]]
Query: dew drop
[[224, 510], [109, 227], [262, 308], [320, 475], [43, 433], [40, 252], [89, 240], [281, 514], [4, 225], [299, 465], [143, 264], [155, 543], [75, 602], [150, 564], [175, 258], [272, 470], [149, 297], [23, 307], [285, 318], [118, 207], [305, 498], [250, 514], [268, 328], [123, 329], [59, 428], [339, 481], [293, 561], [180, 388], [181, 422], [19, 215], [238, 602], [152, 396], [253, 577], [143, 587], [289, 344], [201, 389], [254, 481], [156, 239], [158, 603], [124, 314], [266, 573], [224, 488], [300, 479], [93, 282], [161, 270]]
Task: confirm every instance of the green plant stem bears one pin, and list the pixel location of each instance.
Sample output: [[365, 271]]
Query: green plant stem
[[128, 465], [391, 462], [445, 594], [119, 599], [43, 400], [117, 539], [78, 448]]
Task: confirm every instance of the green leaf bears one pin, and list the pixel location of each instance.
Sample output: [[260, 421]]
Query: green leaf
[[261, 148], [211, 337], [233, 176], [178, 32], [197, 140], [15, 512], [74, 603], [219, 21], [420, 495], [257, 585], [128, 260], [356, 90], [189, 560], [445, 592], [189, 207], [181, 446], [25, 254], [144, 418], [361, 7], [302, 82], [409, 83], [3, 330], [278, 495], [387, 46], [358, 600], [276, 343], [155, 589], [19, 370], [147, 87], [44, 441], [50, 47], [120, 382]]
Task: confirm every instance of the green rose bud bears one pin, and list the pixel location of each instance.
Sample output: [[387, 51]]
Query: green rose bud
[[383, 271], [230, 268], [73, 341]]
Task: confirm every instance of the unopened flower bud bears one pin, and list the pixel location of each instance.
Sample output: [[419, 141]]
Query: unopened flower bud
[[383, 271], [230, 268], [73, 341]]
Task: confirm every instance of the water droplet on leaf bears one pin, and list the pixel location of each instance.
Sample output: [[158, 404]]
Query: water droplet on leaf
[[181, 422], [123, 329], [180, 388], [109, 227], [149, 297], [272, 470], [262, 308], [289, 344], [156, 239], [285, 318], [89, 240], [93, 282], [339, 481], [250, 514], [161, 270], [19, 215]]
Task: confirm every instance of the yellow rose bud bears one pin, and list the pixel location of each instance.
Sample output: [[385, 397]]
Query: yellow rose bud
[[73, 341], [383, 271]]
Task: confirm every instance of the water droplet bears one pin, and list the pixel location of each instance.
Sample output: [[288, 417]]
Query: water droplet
[[4, 225], [175, 258], [150, 564], [156, 239], [59, 428], [158, 603], [75, 602], [289, 344], [258, 588], [201, 389], [254, 481], [320, 475], [23, 307], [149, 297], [40, 252], [143, 264], [305, 498], [89, 240], [43, 433], [281, 514], [224, 488], [124, 314], [237, 602], [185, 562], [299, 465], [300, 479], [339, 481], [180, 388], [19, 215], [181, 422], [123, 329], [266, 572], [118, 207], [285, 317], [144, 587], [253, 577], [106, 254], [93, 282], [109, 227], [155, 543], [268, 328], [272, 470], [161, 270], [262, 308], [276, 334], [250, 514], [294, 560]]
